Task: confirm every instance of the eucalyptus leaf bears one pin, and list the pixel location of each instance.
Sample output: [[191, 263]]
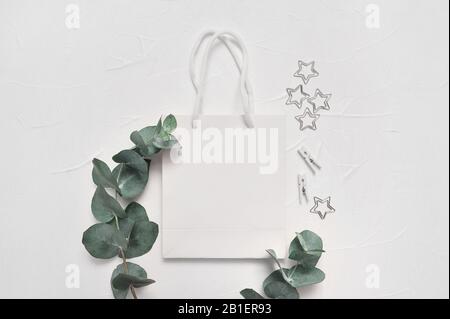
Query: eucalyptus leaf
[[141, 239], [166, 142], [104, 207], [170, 123], [136, 212], [273, 254], [159, 127], [306, 248], [134, 270], [143, 139], [102, 176], [150, 140], [124, 281], [131, 173], [148, 134], [125, 225], [299, 276], [310, 240], [137, 139], [250, 294], [103, 241], [276, 287]]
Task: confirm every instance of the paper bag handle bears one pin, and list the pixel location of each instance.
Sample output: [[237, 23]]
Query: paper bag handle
[[227, 38]]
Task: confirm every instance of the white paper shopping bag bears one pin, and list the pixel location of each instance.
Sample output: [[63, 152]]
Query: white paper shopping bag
[[224, 190]]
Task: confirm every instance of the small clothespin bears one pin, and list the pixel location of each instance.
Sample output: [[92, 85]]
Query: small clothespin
[[309, 160], [301, 180]]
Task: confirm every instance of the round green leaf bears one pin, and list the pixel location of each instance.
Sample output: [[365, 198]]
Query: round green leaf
[[104, 207], [143, 139], [136, 212], [310, 241], [125, 225], [148, 134], [165, 142], [299, 276], [250, 294], [131, 174], [306, 248], [141, 239], [273, 254], [276, 287], [134, 270], [170, 123], [124, 281], [137, 139], [102, 176], [159, 127], [103, 241]]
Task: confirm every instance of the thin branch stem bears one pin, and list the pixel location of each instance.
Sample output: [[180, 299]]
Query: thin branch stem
[[125, 267], [124, 259]]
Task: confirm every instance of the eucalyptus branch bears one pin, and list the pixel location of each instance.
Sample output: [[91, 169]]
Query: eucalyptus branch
[[305, 249], [125, 267], [122, 253], [124, 259], [127, 232]]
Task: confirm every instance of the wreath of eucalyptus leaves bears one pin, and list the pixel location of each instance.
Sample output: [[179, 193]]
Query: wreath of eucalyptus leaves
[[305, 250], [126, 232]]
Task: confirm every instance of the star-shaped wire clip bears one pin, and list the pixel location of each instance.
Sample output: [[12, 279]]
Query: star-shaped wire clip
[[307, 104], [306, 71], [297, 96], [322, 207], [320, 101], [307, 120]]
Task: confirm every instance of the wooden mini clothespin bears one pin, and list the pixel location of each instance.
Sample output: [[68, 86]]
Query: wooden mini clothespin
[[301, 180], [309, 160]]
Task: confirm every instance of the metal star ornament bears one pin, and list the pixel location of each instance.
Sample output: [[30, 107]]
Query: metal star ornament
[[320, 101], [297, 96], [307, 120], [322, 207], [306, 71], [307, 104]]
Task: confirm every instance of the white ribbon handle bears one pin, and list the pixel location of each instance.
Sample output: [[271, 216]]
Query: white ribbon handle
[[227, 38]]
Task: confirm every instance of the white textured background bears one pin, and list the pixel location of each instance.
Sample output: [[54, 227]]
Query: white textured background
[[67, 95]]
